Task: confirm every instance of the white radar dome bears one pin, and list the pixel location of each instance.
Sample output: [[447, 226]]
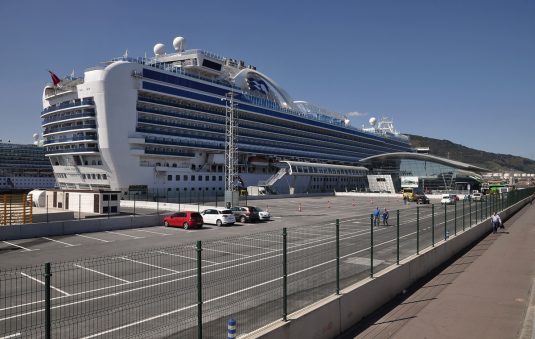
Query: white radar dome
[[36, 136], [346, 122], [373, 121], [179, 43], [159, 49]]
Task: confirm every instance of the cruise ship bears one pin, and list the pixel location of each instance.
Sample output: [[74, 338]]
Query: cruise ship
[[160, 123], [24, 167]]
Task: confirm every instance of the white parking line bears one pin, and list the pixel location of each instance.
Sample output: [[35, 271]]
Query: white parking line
[[126, 235], [24, 248], [211, 249], [86, 236], [252, 246], [102, 273], [152, 232], [42, 283], [61, 242], [12, 336], [151, 265], [183, 256]]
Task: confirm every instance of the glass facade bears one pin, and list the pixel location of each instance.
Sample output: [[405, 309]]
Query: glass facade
[[432, 176]]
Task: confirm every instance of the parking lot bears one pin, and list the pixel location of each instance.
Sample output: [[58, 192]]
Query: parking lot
[[285, 213], [149, 273]]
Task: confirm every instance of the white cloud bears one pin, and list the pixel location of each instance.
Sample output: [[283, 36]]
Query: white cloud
[[357, 114]]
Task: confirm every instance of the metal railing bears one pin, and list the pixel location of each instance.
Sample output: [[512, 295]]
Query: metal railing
[[192, 290]]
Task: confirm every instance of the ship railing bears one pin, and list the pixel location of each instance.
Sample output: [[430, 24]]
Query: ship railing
[[69, 128], [75, 138], [68, 117], [83, 102], [71, 150]]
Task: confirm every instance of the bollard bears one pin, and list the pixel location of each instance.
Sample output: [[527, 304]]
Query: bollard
[[231, 329], [328, 204], [300, 209]]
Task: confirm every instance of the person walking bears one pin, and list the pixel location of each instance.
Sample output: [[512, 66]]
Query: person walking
[[385, 217], [376, 214], [496, 222]]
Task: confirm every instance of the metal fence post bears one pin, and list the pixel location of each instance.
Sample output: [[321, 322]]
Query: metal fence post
[[199, 289], [134, 204], [463, 215], [417, 229], [446, 221], [371, 245], [284, 276], [481, 210], [455, 220], [397, 236], [79, 206], [46, 206], [470, 213], [475, 212], [338, 256], [158, 204], [433, 225], [48, 328], [109, 198]]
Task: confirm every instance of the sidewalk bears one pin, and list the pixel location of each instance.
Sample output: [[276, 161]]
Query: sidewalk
[[485, 293]]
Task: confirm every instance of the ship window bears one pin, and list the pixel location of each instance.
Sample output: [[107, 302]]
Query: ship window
[[104, 176], [200, 177], [177, 177], [213, 177], [185, 178], [169, 177], [220, 178], [211, 65], [98, 176], [207, 178], [192, 178], [99, 162]]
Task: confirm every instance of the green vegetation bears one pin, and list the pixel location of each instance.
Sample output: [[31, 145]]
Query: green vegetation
[[493, 161]]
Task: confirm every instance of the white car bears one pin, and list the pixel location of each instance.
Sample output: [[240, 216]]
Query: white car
[[264, 215], [476, 196], [218, 216], [447, 199]]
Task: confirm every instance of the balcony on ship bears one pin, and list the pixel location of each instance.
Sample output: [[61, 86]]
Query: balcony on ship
[[66, 151], [81, 127], [78, 103], [84, 115], [75, 139]]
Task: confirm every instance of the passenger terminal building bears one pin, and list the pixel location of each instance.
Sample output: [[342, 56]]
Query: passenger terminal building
[[390, 172]]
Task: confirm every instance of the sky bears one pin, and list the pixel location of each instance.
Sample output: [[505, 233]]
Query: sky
[[462, 70]]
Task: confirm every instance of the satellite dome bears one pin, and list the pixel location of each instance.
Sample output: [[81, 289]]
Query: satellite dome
[[159, 49], [35, 136], [178, 43], [373, 121], [346, 122]]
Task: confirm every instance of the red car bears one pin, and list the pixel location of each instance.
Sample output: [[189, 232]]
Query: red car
[[185, 219]]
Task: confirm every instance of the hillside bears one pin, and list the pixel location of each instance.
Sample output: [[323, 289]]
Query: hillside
[[493, 161]]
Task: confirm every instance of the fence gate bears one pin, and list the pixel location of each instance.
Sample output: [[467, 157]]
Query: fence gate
[[16, 209]]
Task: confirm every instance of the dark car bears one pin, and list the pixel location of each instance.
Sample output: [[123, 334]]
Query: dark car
[[185, 219], [246, 213], [422, 199]]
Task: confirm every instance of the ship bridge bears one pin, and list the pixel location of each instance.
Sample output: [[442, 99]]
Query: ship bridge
[[292, 170]]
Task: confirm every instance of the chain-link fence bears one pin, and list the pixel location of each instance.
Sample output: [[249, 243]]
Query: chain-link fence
[[192, 290]]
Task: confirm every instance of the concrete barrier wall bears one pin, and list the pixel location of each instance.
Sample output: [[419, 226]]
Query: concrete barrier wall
[[36, 230], [333, 315]]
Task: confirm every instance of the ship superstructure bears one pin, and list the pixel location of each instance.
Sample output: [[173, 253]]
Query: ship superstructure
[[24, 167], [159, 122]]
